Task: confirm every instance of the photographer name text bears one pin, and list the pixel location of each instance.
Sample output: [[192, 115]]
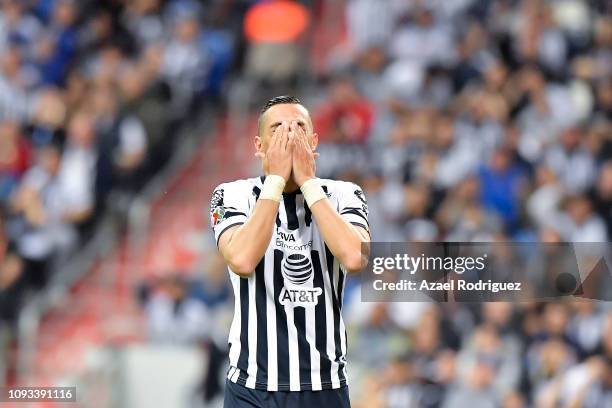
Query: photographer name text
[[451, 285]]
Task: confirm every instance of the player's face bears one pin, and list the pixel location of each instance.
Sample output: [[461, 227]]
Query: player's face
[[276, 115]]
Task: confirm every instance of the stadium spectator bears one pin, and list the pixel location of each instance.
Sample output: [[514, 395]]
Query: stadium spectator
[[11, 280], [47, 206], [58, 46], [580, 223], [186, 62], [15, 101], [501, 185], [347, 117], [14, 157], [143, 20], [174, 316]]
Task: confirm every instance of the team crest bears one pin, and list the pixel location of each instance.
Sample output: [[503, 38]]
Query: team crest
[[218, 214], [216, 200]]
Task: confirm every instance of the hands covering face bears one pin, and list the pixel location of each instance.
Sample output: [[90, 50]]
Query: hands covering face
[[290, 154], [303, 162]]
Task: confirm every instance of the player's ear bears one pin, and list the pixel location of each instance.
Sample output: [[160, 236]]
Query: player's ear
[[314, 141], [258, 144]]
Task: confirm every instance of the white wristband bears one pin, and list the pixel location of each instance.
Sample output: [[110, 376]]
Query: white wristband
[[272, 188], [312, 191]]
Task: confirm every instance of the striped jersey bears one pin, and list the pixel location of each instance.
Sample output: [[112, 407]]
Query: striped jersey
[[287, 333]]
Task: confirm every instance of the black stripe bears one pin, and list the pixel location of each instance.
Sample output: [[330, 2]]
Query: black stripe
[[298, 281], [355, 212], [291, 260], [299, 278], [340, 287], [321, 320], [262, 324], [243, 358], [345, 209], [329, 258], [297, 268], [282, 337], [307, 215], [229, 214], [336, 308], [361, 225], [299, 318], [290, 210], [296, 257]]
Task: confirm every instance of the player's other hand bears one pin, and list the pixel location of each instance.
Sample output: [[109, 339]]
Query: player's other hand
[[277, 159], [304, 166]]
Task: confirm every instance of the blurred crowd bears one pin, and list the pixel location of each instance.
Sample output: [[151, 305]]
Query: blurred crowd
[[463, 120], [480, 355], [472, 120], [94, 96], [475, 121]]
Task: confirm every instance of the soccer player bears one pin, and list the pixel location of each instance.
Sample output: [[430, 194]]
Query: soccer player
[[289, 240]]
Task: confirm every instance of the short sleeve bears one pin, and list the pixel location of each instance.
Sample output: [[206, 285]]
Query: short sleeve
[[229, 206], [353, 206]]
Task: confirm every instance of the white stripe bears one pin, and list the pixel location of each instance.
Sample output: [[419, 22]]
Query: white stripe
[[315, 359], [271, 322], [336, 279], [252, 335], [230, 373], [234, 334], [305, 234], [342, 328], [329, 312], [294, 353], [236, 375]]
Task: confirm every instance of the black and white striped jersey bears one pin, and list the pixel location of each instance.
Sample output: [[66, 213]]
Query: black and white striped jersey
[[288, 333]]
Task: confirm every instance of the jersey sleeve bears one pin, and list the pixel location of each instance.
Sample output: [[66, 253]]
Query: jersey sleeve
[[229, 206], [353, 206]]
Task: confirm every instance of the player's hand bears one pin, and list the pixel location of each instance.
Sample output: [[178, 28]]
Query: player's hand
[[304, 166], [277, 159]]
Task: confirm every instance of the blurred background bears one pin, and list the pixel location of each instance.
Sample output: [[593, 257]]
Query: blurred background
[[463, 120]]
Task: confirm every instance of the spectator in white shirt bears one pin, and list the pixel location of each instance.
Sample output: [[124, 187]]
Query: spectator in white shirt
[[47, 233], [573, 164], [186, 61], [15, 102], [77, 171], [175, 318], [580, 223]]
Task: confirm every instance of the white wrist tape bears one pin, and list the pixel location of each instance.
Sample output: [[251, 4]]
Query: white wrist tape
[[312, 191], [272, 188]]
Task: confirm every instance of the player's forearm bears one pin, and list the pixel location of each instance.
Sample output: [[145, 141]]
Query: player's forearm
[[343, 239], [247, 244]]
